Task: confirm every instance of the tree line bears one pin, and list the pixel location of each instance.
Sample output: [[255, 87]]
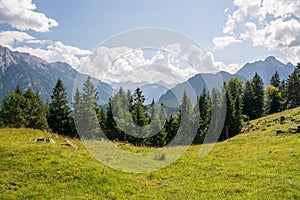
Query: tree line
[[127, 118]]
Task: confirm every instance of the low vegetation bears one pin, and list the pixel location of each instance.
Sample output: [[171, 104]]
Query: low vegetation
[[258, 164]]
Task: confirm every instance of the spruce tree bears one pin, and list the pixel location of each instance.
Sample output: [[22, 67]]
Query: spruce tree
[[275, 80], [58, 118], [273, 100], [188, 126], [258, 97], [90, 110], [34, 111], [12, 111], [139, 115], [293, 89], [203, 104], [253, 99], [234, 89]]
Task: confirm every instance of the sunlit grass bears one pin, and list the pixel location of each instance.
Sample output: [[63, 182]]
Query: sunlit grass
[[256, 165]]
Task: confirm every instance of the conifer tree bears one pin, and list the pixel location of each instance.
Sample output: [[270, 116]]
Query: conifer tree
[[34, 111], [188, 123], [275, 80], [258, 97], [203, 104], [273, 100], [139, 115], [12, 111], [58, 118], [253, 99], [293, 88], [90, 111]]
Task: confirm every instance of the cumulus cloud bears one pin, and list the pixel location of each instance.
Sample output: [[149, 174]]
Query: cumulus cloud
[[45, 49], [21, 14], [122, 64], [222, 42], [274, 24], [8, 38]]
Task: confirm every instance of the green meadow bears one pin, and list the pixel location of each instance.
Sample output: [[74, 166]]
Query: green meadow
[[257, 164]]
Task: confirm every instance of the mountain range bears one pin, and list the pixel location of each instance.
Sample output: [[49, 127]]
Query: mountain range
[[30, 71], [23, 69]]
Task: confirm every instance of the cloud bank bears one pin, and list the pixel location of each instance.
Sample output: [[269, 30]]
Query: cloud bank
[[122, 64], [21, 14], [274, 24]]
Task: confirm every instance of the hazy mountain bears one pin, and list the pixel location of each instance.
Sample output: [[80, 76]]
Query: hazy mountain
[[266, 69], [30, 71], [153, 91], [150, 90], [195, 85]]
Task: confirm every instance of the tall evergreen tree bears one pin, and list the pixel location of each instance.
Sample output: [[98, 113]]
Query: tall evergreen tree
[[248, 99], [139, 115], [273, 100], [234, 89], [258, 97], [188, 123], [253, 99], [112, 131], [58, 118], [157, 136], [90, 111], [12, 111], [275, 80], [203, 104], [34, 111], [293, 89]]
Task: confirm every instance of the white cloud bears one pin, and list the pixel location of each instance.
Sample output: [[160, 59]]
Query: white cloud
[[123, 64], [274, 24], [21, 14], [56, 51], [45, 49], [222, 42], [8, 38]]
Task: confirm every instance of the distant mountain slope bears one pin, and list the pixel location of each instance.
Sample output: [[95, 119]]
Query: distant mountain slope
[[29, 71], [266, 69], [194, 86]]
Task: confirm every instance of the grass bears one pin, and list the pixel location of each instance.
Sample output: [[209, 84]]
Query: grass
[[255, 165]]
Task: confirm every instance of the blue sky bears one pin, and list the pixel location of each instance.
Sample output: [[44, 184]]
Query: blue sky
[[232, 31]]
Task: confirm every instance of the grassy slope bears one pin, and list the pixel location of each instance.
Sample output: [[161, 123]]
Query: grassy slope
[[256, 165]]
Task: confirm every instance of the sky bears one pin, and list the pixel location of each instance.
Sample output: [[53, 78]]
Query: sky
[[231, 32]]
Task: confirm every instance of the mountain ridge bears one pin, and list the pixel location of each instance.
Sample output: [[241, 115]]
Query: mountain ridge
[[18, 68], [31, 71]]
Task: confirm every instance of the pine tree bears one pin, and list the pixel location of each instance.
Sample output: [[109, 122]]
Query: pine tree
[[248, 99], [139, 115], [12, 111], [77, 113], [258, 98], [58, 118], [156, 134], [120, 108], [293, 89], [171, 129], [112, 131], [234, 89], [203, 104], [253, 99], [273, 100], [275, 80], [90, 111], [188, 126], [34, 111]]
